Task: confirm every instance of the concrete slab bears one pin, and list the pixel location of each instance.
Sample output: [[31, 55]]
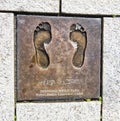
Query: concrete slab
[[74, 111], [111, 70], [30, 5], [6, 67], [108, 7]]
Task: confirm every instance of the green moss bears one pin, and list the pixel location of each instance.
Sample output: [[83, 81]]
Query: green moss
[[14, 117], [114, 16], [100, 99], [88, 100]]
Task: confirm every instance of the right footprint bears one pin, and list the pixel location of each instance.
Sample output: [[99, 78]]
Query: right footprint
[[79, 36]]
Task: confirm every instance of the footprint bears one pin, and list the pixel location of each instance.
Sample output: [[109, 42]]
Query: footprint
[[79, 36], [42, 35]]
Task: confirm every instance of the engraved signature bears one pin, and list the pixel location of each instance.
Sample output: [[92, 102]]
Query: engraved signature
[[47, 82], [54, 82]]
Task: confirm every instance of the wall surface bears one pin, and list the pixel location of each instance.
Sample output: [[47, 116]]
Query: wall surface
[[95, 110]]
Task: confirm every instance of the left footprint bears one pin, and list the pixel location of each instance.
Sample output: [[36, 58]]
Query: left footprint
[[42, 35]]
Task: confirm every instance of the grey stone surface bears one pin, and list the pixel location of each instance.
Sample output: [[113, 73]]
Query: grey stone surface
[[6, 67], [111, 70], [30, 5], [91, 6], [74, 111]]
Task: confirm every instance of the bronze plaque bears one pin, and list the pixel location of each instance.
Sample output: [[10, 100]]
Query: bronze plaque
[[58, 57]]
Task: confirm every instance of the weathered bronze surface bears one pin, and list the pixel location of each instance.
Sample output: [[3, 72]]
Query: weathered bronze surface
[[58, 57]]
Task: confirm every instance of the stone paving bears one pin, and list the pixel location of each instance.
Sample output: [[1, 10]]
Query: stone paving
[[11, 110], [6, 67]]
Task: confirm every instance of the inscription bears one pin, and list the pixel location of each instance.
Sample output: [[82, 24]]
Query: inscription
[[64, 82], [62, 92], [47, 83]]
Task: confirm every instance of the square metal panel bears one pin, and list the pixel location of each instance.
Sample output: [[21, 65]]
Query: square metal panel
[[58, 57]]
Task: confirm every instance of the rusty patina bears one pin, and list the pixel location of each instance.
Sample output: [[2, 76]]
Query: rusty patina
[[58, 57]]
